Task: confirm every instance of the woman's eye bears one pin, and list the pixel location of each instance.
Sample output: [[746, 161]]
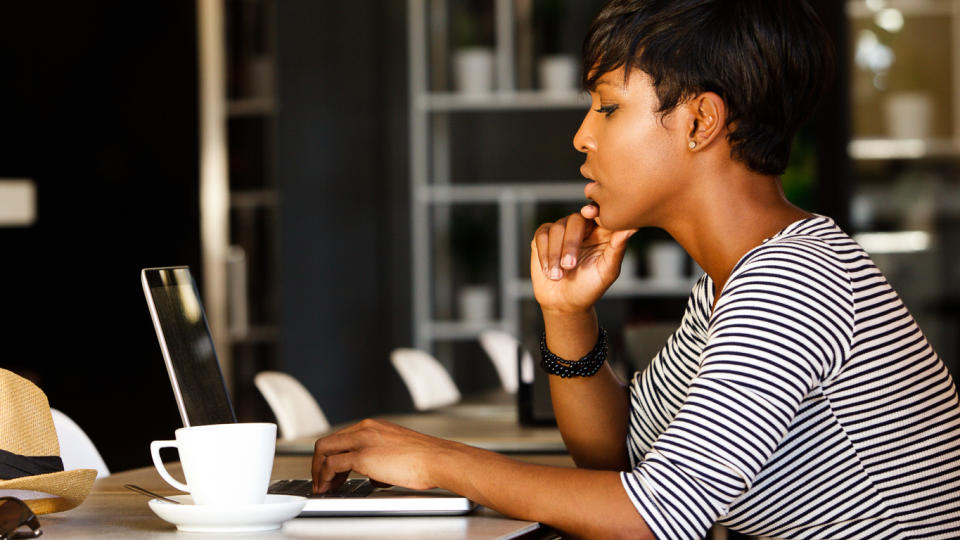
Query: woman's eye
[[607, 109]]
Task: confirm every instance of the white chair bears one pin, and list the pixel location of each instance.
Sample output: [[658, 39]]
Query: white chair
[[502, 349], [428, 382], [297, 412], [76, 449]]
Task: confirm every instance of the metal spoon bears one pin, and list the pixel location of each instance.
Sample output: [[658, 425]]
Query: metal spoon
[[138, 489]]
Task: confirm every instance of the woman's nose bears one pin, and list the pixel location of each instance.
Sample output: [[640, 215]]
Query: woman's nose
[[583, 141]]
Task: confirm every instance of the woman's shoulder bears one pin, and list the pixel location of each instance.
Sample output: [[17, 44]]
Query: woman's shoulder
[[815, 246], [808, 263]]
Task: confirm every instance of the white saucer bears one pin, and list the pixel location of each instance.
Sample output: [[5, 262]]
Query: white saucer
[[189, 517]]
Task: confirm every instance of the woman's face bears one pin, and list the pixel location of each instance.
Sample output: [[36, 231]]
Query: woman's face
[[633, 153]]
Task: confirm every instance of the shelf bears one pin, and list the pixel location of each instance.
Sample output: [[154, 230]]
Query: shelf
[[514, 192], [877, 149], [523, 289], [265, 106], [254, 198], [434, 191], [898, 242], [501, 101], [857, 9], [256, 334], [622, 288]]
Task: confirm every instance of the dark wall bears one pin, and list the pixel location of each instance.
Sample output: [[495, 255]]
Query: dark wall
[[343, 174], [98, 106]]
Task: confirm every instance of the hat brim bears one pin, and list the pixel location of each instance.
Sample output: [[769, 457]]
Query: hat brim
[[69, 488]]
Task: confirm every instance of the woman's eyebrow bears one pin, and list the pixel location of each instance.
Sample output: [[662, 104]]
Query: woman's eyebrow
[[593, 87]]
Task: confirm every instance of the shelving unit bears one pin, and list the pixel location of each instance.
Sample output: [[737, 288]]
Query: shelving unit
[[500, 101], [434, 194], [881, 149], [873, 148], [253, 199], [905, 186]]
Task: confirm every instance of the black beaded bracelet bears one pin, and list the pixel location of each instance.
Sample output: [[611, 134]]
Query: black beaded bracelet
[[587, 366]]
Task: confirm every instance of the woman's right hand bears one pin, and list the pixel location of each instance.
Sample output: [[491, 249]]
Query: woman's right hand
[[573, 261]]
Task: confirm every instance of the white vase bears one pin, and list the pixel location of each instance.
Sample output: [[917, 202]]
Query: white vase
[[473, 70], [558, 73], [475, 303], [909, 115], [629, 266], [665, 261]]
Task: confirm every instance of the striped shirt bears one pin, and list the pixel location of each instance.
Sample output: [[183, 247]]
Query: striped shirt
[[806, 404]]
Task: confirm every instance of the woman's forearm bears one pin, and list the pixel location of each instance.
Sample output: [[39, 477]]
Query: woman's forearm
[[580, 503], [592, 411]]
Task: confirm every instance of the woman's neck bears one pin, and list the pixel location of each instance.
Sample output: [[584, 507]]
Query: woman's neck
[[729, 214]]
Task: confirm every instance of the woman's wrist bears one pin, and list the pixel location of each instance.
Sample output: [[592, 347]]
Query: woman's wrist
[[586, 366], [566, 318], [570, 335], [446, 467]]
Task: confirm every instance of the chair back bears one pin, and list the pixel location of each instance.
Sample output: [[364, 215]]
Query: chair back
[[298, 413], [76, 449], [428, 382], [503, 350]]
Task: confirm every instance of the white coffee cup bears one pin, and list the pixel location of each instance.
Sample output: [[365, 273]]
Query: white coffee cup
[[222, 463]]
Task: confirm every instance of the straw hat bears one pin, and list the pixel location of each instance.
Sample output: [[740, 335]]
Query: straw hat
[[26, 429]]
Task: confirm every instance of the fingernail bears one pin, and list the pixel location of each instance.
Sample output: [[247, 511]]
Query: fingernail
[[556, 273], [568, 261]]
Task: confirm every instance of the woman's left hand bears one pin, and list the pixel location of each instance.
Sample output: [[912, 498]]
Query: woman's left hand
[[383, 451]]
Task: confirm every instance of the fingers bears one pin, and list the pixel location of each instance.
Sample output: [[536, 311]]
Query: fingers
[[540, 241], [576, 230], [548, 241], [316, 469], [554, 248], [342, 441], [590, 211], [332, 460], [335, 455], [557, 245], [333, 472]]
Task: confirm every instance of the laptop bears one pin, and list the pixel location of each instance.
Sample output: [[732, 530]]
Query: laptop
[[202, 398]]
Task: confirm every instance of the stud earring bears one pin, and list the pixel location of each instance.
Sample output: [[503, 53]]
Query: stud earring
[[692, 144]]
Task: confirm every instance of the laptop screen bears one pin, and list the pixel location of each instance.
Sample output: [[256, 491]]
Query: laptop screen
[[187, 346]]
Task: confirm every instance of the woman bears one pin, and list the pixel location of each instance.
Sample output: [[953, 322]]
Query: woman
[[797, 399]]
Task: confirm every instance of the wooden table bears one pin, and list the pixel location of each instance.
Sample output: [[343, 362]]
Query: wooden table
[[111, 511], [489, 426]]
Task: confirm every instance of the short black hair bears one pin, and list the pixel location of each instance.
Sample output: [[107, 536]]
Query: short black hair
[[769, 60]]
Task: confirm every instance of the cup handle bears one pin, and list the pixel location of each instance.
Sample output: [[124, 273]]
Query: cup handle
[[155, 447]]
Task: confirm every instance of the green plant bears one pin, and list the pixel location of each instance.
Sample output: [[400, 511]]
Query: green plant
[[471, 25], [798, 180]]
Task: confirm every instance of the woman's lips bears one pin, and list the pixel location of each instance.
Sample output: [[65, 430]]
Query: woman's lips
[[589, 188]]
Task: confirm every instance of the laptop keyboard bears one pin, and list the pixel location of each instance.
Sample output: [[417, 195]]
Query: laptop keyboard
[[353, 487]]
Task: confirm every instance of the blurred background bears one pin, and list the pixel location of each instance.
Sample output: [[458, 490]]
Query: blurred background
[[345, 178]]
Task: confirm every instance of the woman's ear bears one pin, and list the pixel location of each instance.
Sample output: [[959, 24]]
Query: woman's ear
[[707, 117]]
